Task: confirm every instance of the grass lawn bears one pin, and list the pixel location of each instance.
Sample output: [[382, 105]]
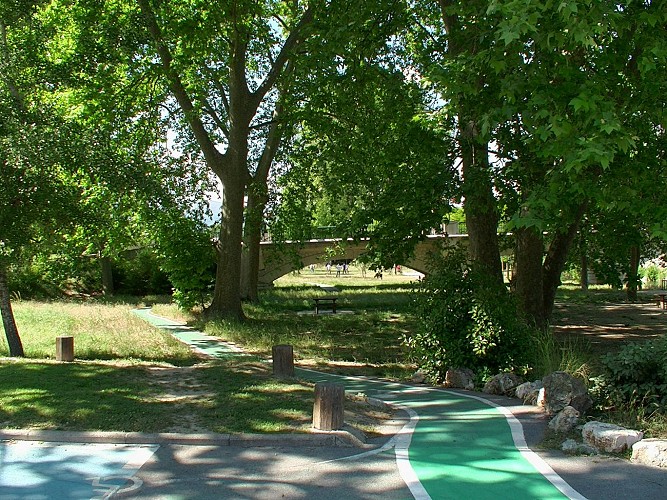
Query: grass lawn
[[130, 376], [369, 340], [79, 396]]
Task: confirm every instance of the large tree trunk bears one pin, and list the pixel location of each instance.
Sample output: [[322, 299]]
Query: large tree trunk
[[555, 260], [226, 301], [107, 276], [633, 274], [479, 201], [232, 171], [480, 205], [252, 239], [528, 282], [8, 322]]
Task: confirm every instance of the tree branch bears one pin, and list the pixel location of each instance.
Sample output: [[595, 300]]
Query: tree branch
[[5, 64], [270, 146], [178, 89], [219, 87], [262, 124], [294, 38], [281, 21], [214, 116]]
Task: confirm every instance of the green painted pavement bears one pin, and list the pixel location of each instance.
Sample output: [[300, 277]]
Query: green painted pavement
[[461, 446], [201, 342]]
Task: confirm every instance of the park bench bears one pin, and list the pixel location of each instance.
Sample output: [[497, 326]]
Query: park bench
[[662, 300], [326, 300]]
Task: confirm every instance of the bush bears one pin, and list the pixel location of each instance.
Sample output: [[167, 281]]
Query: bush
[[49, 276], [140, 274], [636, 376], [187, 257], [652, 274], [468, 320]]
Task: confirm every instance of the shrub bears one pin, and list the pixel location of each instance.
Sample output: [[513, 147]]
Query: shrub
[[140, 274], [468, 320], [187, 257], [636, 375], [48, 276], [652, 275]]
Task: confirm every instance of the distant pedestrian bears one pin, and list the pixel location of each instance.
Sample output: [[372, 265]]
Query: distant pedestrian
[[329, 267], [339, 268]]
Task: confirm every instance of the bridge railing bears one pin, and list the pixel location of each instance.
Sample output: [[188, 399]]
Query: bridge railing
[[332, 232]]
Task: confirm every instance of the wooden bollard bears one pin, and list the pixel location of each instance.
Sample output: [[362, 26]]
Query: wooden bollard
[[329, 408], [283, 361], [65, 348]]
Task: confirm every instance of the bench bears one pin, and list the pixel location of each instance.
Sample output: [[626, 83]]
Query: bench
[[662, 300], [330, 300]]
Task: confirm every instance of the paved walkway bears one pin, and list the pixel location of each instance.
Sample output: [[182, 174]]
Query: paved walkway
[[56, 470], [456, 445]]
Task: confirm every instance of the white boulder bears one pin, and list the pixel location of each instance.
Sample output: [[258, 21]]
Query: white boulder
[[650, 452], [610, 438]]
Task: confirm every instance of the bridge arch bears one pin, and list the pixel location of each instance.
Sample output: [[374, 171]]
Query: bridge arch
[[279, 259]]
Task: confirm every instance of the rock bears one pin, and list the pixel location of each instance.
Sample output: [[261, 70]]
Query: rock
[[541, 401], [565, 420], [650, 452], [418, 377], [503, 383], [528, 392], [561, 390], [571, 447], [460, 379], [610, 438]]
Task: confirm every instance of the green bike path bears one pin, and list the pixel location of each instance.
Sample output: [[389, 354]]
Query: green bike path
[[455, 446]]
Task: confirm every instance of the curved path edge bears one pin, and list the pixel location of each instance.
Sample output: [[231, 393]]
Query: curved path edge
[[403, 440]]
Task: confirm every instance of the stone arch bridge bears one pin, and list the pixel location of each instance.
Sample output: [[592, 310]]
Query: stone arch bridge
[[278, 259]]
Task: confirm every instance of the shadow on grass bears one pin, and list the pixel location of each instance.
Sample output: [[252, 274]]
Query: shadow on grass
[[367, 338], [92, 354], [237, 395], [389, 297], [73, 396], [246, 398]]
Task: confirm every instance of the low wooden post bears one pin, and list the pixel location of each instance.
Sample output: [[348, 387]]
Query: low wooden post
[[329, 408], [283, 361], [65, 348]]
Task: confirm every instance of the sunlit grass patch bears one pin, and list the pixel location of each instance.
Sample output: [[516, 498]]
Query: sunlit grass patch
[[254, 402], [100, 331], [78, 396]]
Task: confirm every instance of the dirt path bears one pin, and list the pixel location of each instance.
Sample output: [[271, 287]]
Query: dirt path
[[608, 326]]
